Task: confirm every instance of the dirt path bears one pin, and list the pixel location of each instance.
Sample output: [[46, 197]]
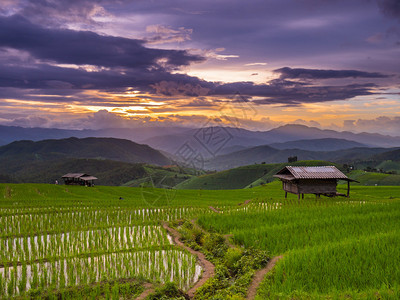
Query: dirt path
[[259, 276], [208, 267], [148, 289], [245, 202], [228, 240], [214, 209]]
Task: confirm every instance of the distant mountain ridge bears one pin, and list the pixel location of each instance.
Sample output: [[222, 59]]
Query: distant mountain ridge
[[236, 137], [269, 155], [18, 154], [171, 138], [113, 161], [326, 144], [292, 132], [10, 134], [393, 155]]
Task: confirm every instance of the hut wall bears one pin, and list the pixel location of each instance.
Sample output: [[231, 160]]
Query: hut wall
[[74, 181], [290, 187], [314, 186], [310, 186]]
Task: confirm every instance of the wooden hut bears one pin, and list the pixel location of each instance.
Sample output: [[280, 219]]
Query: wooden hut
[[312, 180], [78, 179]]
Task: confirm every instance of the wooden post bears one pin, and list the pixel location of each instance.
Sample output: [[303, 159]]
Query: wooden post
[[298, 196], [302, 196], [285, 195], [348, 188]]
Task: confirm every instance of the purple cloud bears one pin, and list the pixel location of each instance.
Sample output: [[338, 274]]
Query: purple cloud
[[390, 8], [85, 47], [299, 73]]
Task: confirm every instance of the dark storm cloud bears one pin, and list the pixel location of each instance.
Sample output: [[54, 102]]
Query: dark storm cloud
[[46, 76], [67, 81], [299, 73], [84, 47], [390, 8], [290, 93], [130, 64], [58, 12]]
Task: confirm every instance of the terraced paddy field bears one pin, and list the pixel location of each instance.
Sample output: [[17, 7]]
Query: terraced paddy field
[[331, 248], [109, 242]]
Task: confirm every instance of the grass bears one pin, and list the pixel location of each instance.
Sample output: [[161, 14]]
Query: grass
[[242, 177], [333, 247], [56, 239], [160, 177], [372, 178], [353, 266], [231, 179]]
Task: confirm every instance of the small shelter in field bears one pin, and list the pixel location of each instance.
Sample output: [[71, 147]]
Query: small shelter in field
[[79, 179], [312, 180]]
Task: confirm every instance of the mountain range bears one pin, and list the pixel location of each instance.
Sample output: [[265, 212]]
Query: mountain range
[[116, 161], [99, 148], [269, 155], [10, 134], [170, 139], [221, 148], [120, 161], [327, 144]]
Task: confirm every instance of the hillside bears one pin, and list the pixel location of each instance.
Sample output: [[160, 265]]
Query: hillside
[[375, 179], [171, 138], [232, 137], [293, 132], [271, 155], [10, 134], [108, 172], [98, 148], [393, 155], [230, 179], [113, 161], [327, 144], [242, 177], [159, 177], [387, 161]]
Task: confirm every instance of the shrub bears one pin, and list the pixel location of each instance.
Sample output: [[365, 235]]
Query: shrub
[[232, 256], [168, 291], [215, 244]]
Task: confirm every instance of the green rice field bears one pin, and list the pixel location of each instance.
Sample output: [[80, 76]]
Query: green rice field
[[331, 247], [107, 242]]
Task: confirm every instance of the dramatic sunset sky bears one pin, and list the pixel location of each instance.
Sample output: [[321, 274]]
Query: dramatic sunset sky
[[256, 64]]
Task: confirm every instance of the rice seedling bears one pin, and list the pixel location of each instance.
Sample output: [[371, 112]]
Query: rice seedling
[[53, 239]]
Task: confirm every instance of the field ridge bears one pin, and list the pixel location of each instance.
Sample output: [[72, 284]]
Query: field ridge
[[259, 277], [208, 267]]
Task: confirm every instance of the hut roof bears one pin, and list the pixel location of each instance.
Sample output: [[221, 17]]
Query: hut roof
[[74, 175], [323, 172], [82, 176], [88, 178]]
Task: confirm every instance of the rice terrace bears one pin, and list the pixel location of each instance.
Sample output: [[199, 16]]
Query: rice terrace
[[199, 150], [73, 242]]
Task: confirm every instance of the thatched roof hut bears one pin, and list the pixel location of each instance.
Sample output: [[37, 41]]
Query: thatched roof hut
[[312, 180], [79, 179]]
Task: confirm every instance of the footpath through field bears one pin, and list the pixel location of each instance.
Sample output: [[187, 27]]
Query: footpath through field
[[259, 277], [148, 289], [209, 268]]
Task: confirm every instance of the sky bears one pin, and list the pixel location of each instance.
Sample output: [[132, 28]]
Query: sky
[[255, 64]]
